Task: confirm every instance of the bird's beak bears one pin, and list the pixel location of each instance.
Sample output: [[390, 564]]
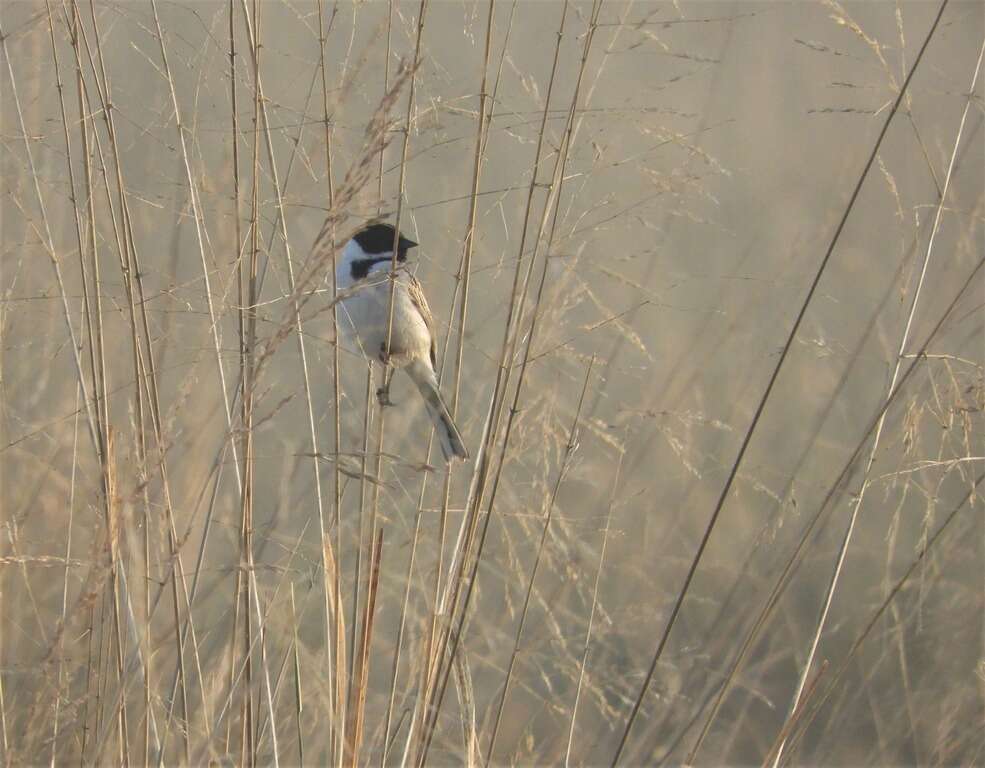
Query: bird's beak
[[406, 244]]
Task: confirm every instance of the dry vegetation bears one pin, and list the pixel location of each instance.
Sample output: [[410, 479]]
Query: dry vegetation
[[709, 284]]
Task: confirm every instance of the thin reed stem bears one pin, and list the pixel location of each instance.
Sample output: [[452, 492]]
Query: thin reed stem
[[569, 448]]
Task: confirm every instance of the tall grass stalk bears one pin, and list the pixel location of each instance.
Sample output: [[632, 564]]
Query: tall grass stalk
[[553, 194], [334, 625], [531, 580], [144, 367], [607, 272], [100, 434], [461, 286], [418, 735]]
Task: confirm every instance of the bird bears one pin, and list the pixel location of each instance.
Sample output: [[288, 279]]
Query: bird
[[362, 274]]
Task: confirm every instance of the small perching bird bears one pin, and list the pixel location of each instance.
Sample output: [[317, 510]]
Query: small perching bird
[[363, 272]]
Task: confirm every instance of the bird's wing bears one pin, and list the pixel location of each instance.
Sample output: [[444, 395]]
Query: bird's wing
[[421, 304]]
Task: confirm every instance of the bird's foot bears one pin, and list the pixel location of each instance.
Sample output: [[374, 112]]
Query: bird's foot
[[383, 396], [383, 393], [384, 357]]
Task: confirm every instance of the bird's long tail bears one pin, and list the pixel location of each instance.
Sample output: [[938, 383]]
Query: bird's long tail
[[423, 376]]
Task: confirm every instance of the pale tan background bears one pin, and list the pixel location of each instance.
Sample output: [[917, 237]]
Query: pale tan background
[[717, 147]]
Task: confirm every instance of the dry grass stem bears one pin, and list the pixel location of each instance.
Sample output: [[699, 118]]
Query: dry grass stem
[[724, 497]]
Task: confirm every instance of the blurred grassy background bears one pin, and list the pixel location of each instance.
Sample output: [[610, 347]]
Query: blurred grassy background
[[715, 147]]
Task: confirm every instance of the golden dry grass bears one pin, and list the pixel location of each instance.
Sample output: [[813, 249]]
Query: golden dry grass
[[725, 415]]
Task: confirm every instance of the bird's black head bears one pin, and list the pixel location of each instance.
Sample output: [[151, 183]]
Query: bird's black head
[[378, 239]]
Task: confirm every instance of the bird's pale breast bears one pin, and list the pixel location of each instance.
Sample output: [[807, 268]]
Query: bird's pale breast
[[368, 310]]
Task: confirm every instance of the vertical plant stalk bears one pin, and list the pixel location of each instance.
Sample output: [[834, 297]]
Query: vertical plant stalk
[[367, 415], [200, 238], [99, 434], [96, 342], [386, 89], [354, 731], [298, 696], [464, 275], [334, 623], [243, 315], [797, 713], [91, 419], [461, 281], [248, 741], [381, 421], [356, 696], [445, 607], [145, 370], [553, 196], [412, 90], [364, 483], [260, 116], [467, 528], [591, 616], [92, 322], [292, 282], [78, 392], [253, 32], [68, 560], [795, 328], [857, 504], [113, 531], [569, 449], [214, 324], [200, 757], [420, 502], [331, 579]]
